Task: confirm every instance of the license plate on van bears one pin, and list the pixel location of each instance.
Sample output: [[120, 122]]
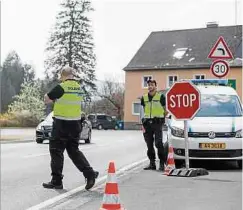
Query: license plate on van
[[212, 145]]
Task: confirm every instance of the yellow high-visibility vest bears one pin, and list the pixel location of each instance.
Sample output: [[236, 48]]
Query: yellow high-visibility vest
[[68, 107], [153, 108]]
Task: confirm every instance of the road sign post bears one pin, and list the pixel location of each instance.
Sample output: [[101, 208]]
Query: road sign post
[[186, 144], [183, 102]]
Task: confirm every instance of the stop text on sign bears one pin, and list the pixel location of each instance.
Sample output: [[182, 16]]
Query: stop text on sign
[[182, 100]]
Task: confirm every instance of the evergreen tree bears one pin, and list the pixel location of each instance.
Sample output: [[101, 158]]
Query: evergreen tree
[[71, 43], [29, 72], [11, 79], [13, 74]]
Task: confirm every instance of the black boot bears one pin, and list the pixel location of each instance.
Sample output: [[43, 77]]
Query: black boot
[[91, 180], [161, 166], [53, 184], [151, 166]]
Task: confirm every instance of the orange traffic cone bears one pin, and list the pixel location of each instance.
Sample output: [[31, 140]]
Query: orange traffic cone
[[170, 162], [111, 200]]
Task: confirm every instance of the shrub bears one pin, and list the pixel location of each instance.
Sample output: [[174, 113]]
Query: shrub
[[28, 107], [8, 120]]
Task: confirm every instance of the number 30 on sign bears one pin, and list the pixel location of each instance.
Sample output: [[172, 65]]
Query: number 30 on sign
[[220, 68]]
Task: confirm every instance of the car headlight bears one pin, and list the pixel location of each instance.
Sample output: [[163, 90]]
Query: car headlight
[[238, 134], [39, 127], [177, 132]]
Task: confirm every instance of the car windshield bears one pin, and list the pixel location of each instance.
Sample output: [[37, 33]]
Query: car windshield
[[91, 117], [49, 117], [219, 106]]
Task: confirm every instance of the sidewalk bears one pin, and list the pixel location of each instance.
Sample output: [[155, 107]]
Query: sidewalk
[[150, 190], [18, 134]]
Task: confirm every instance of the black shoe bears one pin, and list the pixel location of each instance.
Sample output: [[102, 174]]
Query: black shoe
[[91, 180], [151, 166], [161, 166], [53, 185]]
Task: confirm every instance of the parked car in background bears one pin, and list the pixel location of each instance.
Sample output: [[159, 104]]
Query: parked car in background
[[103, 121], [43, 130]]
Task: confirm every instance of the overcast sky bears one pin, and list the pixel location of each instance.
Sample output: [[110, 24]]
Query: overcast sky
[[120, 26]]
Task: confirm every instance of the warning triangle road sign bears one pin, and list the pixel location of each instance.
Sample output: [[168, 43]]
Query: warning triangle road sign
[[220, 50]]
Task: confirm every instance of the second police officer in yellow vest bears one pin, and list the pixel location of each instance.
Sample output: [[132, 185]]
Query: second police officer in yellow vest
[[153, 105], [66, 129]]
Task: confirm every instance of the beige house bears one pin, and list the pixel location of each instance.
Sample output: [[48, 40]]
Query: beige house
[[170, 56]]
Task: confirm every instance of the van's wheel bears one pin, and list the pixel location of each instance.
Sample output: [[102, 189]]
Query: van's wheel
[[179, 163], [239, 164], [88, 140], [100, 127], [166, 149]]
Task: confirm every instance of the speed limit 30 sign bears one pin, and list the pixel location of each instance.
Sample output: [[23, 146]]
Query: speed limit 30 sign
[[220, 68]]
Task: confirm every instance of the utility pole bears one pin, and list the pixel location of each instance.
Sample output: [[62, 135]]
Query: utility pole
[[235, 12]]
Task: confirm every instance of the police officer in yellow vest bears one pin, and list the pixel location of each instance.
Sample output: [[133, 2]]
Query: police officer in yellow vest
[[67, 99], [153, 120]]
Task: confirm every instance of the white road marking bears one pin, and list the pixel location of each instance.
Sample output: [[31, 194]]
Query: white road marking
[[43, 154], [36, 155], [99, 181]]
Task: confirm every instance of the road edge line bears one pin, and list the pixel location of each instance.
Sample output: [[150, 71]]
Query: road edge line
[[99, 181]]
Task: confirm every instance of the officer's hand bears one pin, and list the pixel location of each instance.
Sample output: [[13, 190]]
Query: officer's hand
[[143, 120]]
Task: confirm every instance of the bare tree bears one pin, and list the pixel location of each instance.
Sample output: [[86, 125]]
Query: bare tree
[[113, 92]]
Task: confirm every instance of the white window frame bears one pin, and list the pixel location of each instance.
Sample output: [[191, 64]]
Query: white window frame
[[168, 81], [133, 113], [194, 76], [145, 87]]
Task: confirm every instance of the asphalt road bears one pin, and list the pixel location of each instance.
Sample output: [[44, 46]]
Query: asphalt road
[[25, 166]]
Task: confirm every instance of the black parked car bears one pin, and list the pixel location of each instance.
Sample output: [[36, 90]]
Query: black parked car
[[103, 121]]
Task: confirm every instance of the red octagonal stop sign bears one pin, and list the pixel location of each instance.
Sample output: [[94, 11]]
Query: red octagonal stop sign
[[183, 100]]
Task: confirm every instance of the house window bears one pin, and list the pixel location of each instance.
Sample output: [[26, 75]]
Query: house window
[[171, 80], [199, 76], [136, 108], [145, 79]]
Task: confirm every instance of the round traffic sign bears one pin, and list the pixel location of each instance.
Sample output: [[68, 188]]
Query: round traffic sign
[[183, 100], [220, 68]]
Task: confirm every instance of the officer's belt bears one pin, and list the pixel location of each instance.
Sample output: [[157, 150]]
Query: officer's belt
[[154, 120]]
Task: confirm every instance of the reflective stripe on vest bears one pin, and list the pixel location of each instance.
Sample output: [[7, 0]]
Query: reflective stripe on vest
[[153, 108], [68, 118], [68, 107], [63, 101]]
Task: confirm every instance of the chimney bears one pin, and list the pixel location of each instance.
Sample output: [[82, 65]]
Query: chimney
[[212, 25]]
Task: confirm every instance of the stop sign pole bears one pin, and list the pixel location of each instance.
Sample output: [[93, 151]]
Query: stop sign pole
[[186, 143], [183, 102]]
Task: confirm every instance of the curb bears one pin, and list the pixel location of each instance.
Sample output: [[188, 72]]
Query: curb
[[5, 128], [5, 141]]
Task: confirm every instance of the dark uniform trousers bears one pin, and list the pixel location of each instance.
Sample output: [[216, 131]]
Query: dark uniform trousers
[[153, 134], [65, 135]]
